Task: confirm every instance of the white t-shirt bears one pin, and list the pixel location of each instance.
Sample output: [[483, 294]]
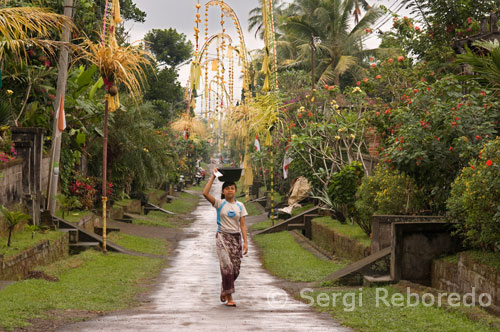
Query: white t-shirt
[[228, 215]]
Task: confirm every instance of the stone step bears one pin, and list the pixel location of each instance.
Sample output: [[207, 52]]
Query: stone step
[[73, 234], [85, 244]]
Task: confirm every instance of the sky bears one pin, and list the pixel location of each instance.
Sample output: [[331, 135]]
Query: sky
[[180, 14]]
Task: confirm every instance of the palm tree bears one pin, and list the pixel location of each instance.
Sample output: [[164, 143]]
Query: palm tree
[[255, 17], [24, 27], [486, 66], [322, 29]]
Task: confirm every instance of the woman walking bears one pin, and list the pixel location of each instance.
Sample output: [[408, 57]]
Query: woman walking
[[230, 220]]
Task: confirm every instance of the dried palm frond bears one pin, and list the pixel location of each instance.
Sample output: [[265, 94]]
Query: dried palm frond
[[190, 123], [22, 27], [236, 123], [119, 64], [263, 114]]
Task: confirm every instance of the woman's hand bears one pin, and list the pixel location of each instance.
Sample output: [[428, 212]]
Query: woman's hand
[[215, 171], [245, 248]]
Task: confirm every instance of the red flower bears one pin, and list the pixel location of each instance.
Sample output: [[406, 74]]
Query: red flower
[[368, 30], [489, 163], [326, 86], [390, 60], [377, 114], [472, 166], [373, 65], [453, 123], [378, 77], [372, 58], [388, 111], [428, 88], [401, 58], [478, 137], [299, 115], [365, 80], [451, 148], [415, 91], [309, 114], [358, 83], [469, 20], [417, 28], [422, 79]]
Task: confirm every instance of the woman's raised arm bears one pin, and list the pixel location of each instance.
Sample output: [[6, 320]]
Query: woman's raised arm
[[208, 186]]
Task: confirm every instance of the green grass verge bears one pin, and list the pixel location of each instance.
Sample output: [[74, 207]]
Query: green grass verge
[[352, 231], [490, 259], [382, 318], [253, 209], [23, 240], [139, 244], [302, 209], [261, 225], [73, 216], [183, 204], [88, 281], [155, 218], [199, 187], [285, 258]]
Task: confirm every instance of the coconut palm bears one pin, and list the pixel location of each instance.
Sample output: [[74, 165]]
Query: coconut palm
[[24, 27], [485, 66], [324, 27]]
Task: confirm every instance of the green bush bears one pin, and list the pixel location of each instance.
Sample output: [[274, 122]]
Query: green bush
[[387, 192], [475, 199], [343, 187]]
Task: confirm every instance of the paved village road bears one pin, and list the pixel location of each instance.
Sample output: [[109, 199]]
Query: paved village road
[[188, 297]]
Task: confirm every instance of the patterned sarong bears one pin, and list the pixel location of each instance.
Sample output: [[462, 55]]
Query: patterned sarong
[[230, 253]]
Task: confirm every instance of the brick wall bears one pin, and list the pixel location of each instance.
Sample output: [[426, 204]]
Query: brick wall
[[17, 267]]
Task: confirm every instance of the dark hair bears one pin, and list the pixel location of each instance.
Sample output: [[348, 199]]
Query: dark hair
[[225, 185]]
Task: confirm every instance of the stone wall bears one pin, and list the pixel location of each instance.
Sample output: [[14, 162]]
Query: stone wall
[[17, 267], [416, 245], [11, 185], [463, 275], [382, 228], [338, 244]]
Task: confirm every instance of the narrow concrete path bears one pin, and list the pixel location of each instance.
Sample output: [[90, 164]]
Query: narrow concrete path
[[188, 297]]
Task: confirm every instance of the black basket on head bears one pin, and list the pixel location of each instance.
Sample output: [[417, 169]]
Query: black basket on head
[[230, 174]]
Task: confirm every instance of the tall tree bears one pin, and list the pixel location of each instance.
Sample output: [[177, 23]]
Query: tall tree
[[168, 46], [323, 28]]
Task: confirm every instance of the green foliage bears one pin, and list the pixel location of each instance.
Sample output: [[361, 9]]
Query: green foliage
[[437, 133], [386, 192], [475, 197], [343, 187], [13, 218], [68, 203], [168, 46], [486, 67]]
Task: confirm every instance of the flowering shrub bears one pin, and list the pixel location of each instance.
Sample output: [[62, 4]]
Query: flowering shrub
[[84, 189], [387, 192], [475, 199], [437, 133], [7, 150]]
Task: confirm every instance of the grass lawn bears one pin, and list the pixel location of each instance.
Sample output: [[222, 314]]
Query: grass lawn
[[302, 209], [22, 240], [183, 204], [155, 218], [261, 225], [253, 209], [490, 259], [88, 281], [73, 216], [352, 231], [139, 244], [285, 258], [370, 317]]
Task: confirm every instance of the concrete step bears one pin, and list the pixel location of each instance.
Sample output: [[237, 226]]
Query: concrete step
[[359, 266], [73, 234], [291, 227], [370, 281], [85, 244]]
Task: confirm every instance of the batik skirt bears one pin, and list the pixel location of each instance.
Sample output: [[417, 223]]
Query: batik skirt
[[230, 253]]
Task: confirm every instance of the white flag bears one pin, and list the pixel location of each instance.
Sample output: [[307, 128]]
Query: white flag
[[257, 143]]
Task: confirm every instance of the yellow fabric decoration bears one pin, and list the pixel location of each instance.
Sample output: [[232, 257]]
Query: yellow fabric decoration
[[113, 102], [195, 76], [214, 65], [229, 51], [117, 18], [269, 139]]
